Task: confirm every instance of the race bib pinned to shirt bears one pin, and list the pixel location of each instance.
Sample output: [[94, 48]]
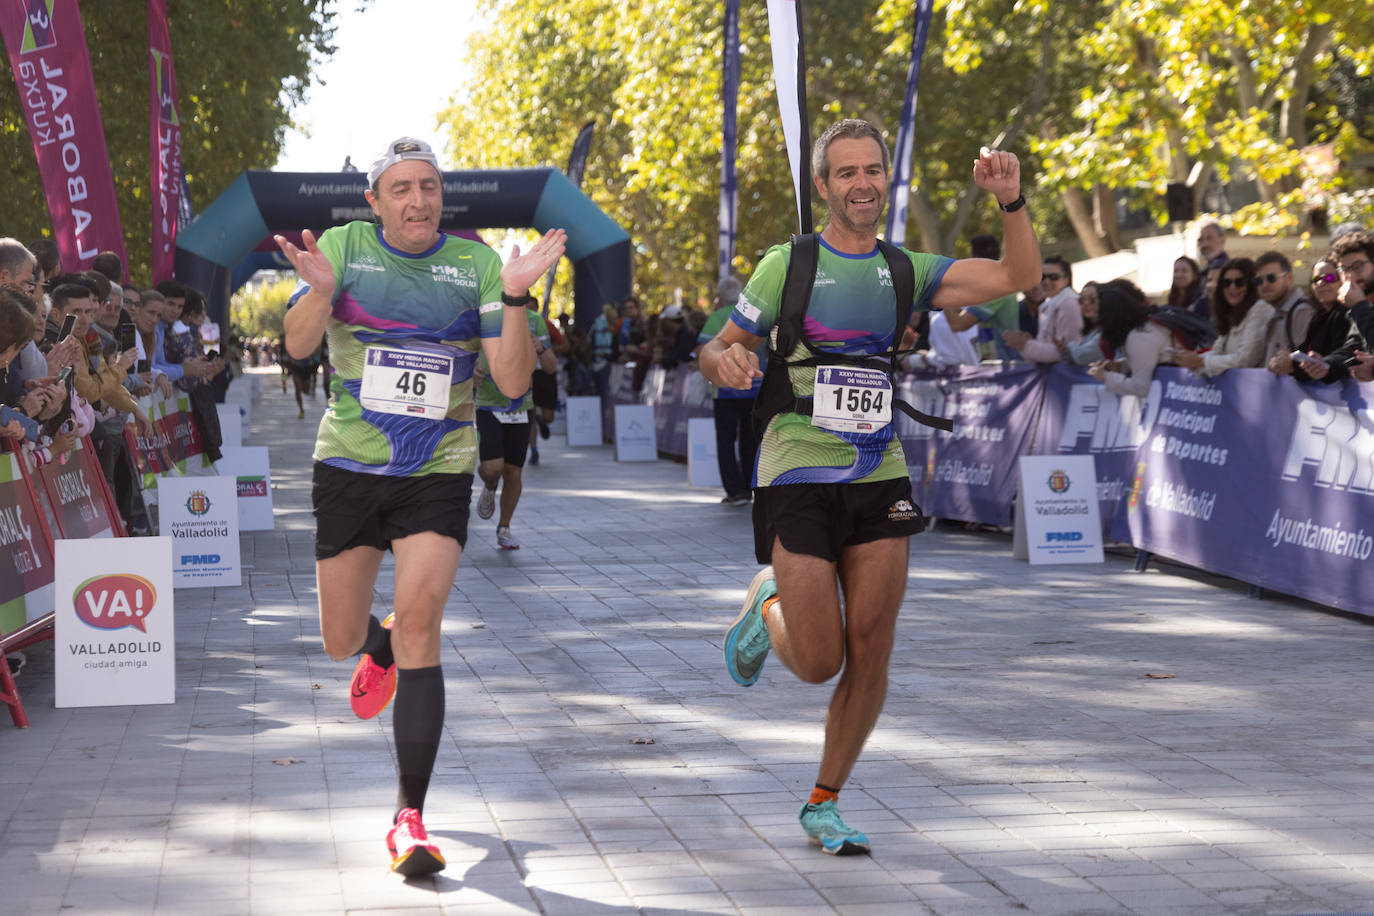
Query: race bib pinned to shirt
[[851, 399], [410, 381]]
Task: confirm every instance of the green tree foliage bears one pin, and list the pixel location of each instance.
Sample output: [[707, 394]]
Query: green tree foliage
[[240, 64], [1179, 89], [649, 75], [258, 311]]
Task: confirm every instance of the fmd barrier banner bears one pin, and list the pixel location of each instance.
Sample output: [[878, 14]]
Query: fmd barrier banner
[[201, 515], [1259, 478], [1250, 475], [1081, 417], [974, 473], [114, 626]]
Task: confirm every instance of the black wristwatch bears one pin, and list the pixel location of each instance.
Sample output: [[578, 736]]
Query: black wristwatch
[[1015, 205], [515, 302]]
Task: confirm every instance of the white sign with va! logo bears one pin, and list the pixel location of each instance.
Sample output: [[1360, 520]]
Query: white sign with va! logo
[[1057, 515], [113, 623], [584, 421], [636, 438], [201, 515]]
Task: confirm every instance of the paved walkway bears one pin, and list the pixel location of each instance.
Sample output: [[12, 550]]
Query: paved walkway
[[1033, 757]]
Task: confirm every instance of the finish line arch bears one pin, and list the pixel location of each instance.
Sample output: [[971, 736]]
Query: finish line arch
[[260, 203]]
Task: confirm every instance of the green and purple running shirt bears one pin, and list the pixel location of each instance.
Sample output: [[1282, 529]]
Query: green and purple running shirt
[[852, 310], [438, 303]]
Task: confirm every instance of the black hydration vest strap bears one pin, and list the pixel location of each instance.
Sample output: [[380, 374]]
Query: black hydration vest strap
[[775, 393]]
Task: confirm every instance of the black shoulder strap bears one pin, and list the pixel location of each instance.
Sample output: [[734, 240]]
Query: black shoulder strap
[[796, 291], [904, 285], [775, 392]]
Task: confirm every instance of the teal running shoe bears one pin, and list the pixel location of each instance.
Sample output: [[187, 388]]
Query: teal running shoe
[[826, 829], [746, 642]]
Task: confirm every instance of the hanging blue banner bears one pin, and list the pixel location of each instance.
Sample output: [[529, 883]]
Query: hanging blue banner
[[729, 189], [900, 188]]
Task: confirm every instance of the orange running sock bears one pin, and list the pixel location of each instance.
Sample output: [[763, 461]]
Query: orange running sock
[[768, 604], [822, 794]]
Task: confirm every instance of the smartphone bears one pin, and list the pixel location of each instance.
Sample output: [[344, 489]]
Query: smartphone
[[1352, 362], [124, 337], [143, 366], [65, 375], [68, 325], [1304, 359]]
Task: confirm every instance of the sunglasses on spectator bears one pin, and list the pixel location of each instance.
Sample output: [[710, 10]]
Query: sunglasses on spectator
[[1051, 276], [1321, 279], [1233, 281], [1269, 278]]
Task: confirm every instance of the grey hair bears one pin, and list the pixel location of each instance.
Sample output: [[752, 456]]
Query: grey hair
[[848, 129], [729, 288], [13, 255]]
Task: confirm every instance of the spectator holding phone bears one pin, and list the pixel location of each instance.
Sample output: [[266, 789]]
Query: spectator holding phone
[[1328, 329]]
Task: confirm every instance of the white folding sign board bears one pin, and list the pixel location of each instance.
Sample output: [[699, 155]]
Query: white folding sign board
[[636, 438], [113, 623], [250, 468], [1057, 514], [201, 515], [584, 421], [702, 468]]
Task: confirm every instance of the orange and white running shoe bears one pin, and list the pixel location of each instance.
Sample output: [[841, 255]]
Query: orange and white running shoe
[[372, 686], [412, 854]]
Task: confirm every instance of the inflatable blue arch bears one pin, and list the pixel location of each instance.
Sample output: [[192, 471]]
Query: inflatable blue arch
[[231, 239]]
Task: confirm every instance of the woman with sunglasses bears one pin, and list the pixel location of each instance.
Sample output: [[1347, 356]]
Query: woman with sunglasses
[[1329, 326], [1240, 316]]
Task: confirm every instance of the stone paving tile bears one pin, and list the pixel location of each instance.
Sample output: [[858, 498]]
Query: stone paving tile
[[1023, 763]]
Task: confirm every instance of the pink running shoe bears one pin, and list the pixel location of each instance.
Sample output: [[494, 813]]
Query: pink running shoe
[[372, 686], [412, 854]]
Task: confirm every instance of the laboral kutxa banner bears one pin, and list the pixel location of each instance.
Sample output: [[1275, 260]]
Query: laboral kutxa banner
[[164, 138], [1261, 479], [52, 68]]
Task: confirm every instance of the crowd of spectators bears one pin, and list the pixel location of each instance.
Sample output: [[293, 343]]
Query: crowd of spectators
[[1220, 313], [82, 355]]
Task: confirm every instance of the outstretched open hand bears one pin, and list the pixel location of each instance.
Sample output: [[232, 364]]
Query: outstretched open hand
[[522, 270], [310, 263]]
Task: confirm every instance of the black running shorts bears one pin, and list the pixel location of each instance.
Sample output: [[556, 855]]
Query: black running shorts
[[497, 441], [544, 389], [821, 519], [372, 510]]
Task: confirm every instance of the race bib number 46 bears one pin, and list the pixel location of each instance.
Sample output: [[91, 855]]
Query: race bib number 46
[[851, 399], [409, 382]]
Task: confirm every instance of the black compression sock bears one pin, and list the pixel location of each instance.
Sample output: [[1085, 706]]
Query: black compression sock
[[417, 724], [378, 643]]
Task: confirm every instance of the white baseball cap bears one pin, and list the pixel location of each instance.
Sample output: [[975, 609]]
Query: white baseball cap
[[399, 150]]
